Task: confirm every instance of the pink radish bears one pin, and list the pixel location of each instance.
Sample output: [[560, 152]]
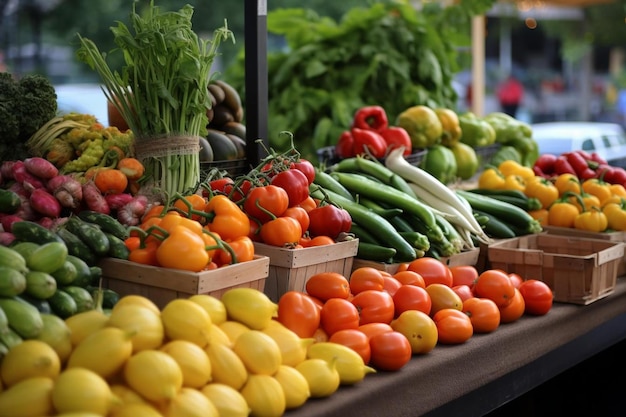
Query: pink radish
[[41, 167], [28, 180], [131, 213], [45, 203], [117, 201], [93, 198], [67, 190]]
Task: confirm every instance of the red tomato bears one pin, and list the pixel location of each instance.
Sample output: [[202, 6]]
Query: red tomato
[[366, 278], [483, 313], [463, 291], [374, 306], [355, 340], [453, 326], [410, 278], [306, 167], [327, 285], [464, 275], [296, 184], [372, 329], [411, 297], [514, 310], [338, 314], [391, 285], [299, 313], [432, 270], [495, 285], [516, 279], [390, 351], [537, 296], [321, 241]]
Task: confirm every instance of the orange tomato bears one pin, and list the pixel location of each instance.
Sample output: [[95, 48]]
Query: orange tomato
[[464, 275], [327, 285], [355, 340], [483, 313], [432, 270], [308, 204], [372, 329], [391, 284], [411, 297], [516, 279], [443, 297], [366, 278], [321, 241], [299, 313], [514, 310], [374, 306], [402, 267], [301, 215], [453, 326], [463, 291], [390, 351], [410, 278], [495, 285], [338, 314]]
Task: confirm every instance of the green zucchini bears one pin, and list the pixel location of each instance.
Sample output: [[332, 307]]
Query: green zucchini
[[515, 197], [91, 234], [374, 252], [363, 234], [117, 247], [83, 272], [28, 231], [10, 202], [327, 182], [417, 240], [494, 227], [62, 304], [76, 247], [107, 223]]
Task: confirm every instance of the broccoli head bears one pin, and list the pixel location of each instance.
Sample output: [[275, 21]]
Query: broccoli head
[[37, 104], [9, 113]]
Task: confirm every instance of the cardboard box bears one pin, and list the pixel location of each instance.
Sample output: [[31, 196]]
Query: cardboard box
[[468, 257], [162, 285], [290, 269], [611, 236], [578, 270]]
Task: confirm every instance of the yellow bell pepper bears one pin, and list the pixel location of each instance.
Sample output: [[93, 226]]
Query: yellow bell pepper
[[543, 190], [511, 167], [593, 220], [567, 182], [562, 213], [451, 133], [597, 187], [616, 215], [514, 182], [491, 179]]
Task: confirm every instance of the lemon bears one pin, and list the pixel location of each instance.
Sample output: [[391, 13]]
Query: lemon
[[212, 305], [233, 329], [228, 401], [140, 300], [249, 306], [83, 324], [146, 328], [29, 397], [292, 348], [189, 402], [126, 395], [348, 363], [259, 352], [265, 396], [78, 414], [226, 367], [322, 376], [57, 334], [295, 386], [186, 320], [136, 410], [105, 352], [219, 336], [153, 374], [28, 359], [193, 361], [82, 390]]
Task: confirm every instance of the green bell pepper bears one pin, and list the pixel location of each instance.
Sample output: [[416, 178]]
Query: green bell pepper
[[476, 131], [440, 162]]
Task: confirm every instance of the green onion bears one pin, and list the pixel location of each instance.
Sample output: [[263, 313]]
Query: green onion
[[161, 91]]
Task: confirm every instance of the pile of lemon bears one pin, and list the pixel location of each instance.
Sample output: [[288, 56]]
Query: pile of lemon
[[200, 356]]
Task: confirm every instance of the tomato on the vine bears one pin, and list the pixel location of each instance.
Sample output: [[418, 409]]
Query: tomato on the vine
[[483, 313], [261, 200], [453, 326], [390, 351], [338, 314], [298, 312], [327, 285], [374, 306], [306, 167], [495, 285], [366, 278], [411, 297], [537, 296], [295, 182], [300, 214]]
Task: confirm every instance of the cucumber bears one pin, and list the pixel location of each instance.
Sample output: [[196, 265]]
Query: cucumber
[[23, 317], [494, 227], [76, 247], [83, 272], [28, 231], [117, 247], [82, 297], [66, 274], [89, 233], [43, 306], [25, 248], [10, 338], [12, 259], [107, 223], [48, 257], [62, 304], [40, 285], [374, 252], [12, 282], [109, 298], [10, 202]]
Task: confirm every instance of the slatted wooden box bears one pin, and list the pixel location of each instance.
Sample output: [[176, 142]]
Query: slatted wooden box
[[290, 269], [162, 285], [578, 270]]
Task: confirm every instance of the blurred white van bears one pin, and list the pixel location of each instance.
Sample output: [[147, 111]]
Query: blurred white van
[[83, 98], [608, 140]]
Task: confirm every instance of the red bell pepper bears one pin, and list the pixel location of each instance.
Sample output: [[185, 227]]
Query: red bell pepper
[[345, 145], [562, 166], [295, 183], [545, 164], [370, 140], [370, 117], [395, 137]]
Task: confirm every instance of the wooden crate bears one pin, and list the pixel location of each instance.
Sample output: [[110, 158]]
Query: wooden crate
[[611, 236], [291, 268], [468, 257], [162, 285], [578, 270]]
